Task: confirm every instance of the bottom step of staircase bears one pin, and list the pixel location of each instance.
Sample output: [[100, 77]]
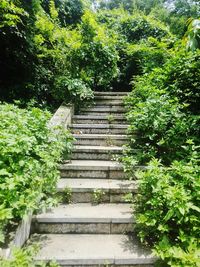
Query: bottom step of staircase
[[93, 250]]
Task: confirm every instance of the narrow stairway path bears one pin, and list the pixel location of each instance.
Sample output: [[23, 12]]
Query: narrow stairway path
[[96, 228]]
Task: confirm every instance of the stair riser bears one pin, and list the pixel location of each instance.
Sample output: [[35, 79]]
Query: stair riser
[[81, 174], [83, 228], [98, 131], [115, 196], [98, 121], [101, 142], [94, 156]]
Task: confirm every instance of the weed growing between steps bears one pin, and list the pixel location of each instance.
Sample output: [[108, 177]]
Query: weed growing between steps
[[67, 195], [97, 196], [30, 154]]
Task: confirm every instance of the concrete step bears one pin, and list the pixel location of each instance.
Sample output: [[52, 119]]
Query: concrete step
[[93, 250], [100, 139], [101, 119], [99, 110], [100, 169], [96, 190], [96, 152], [99, 129], [109, 97], [108, 102], [85, 218], [111, 93]]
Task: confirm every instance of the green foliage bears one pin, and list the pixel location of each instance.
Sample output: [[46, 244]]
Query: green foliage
[[10, 14], [96, 59], [25, 258], [97, 196], [30, 153], [192, 36], [139, 26], [56, 47], [164, 109], [67, 195], [147, 55], [138, 43], [113, 4], [168, 209], [69, 11]]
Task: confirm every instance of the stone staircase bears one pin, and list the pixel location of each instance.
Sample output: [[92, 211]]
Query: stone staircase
[[97, 227]]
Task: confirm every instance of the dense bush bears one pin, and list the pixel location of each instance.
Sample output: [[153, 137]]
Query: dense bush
[[29, 156], [138, 42], [168, 210], [138, 26], [164, 109], [47, 59], [69, 11]]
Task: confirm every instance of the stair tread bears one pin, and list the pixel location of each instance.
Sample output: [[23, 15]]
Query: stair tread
[[89, 185], [91, 136], [104, 109], [109, 97], [118, 117], [83, 249], [88, 213], [107, 126], [78, 148], [110, 93], [92, 165]]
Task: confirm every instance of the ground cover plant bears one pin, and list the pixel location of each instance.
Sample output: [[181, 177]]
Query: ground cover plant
[[25, 258], [30, 153]]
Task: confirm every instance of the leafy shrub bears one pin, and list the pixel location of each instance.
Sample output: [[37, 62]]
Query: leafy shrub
[[168, 209], [25, 257], [139, 50], [144, 56], [69, 11], [162, 129], [138, 27], [182, 79], [30, 153], [96, 58], [163, 109]]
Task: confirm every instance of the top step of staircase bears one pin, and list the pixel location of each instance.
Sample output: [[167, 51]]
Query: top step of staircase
[[110, 93]]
